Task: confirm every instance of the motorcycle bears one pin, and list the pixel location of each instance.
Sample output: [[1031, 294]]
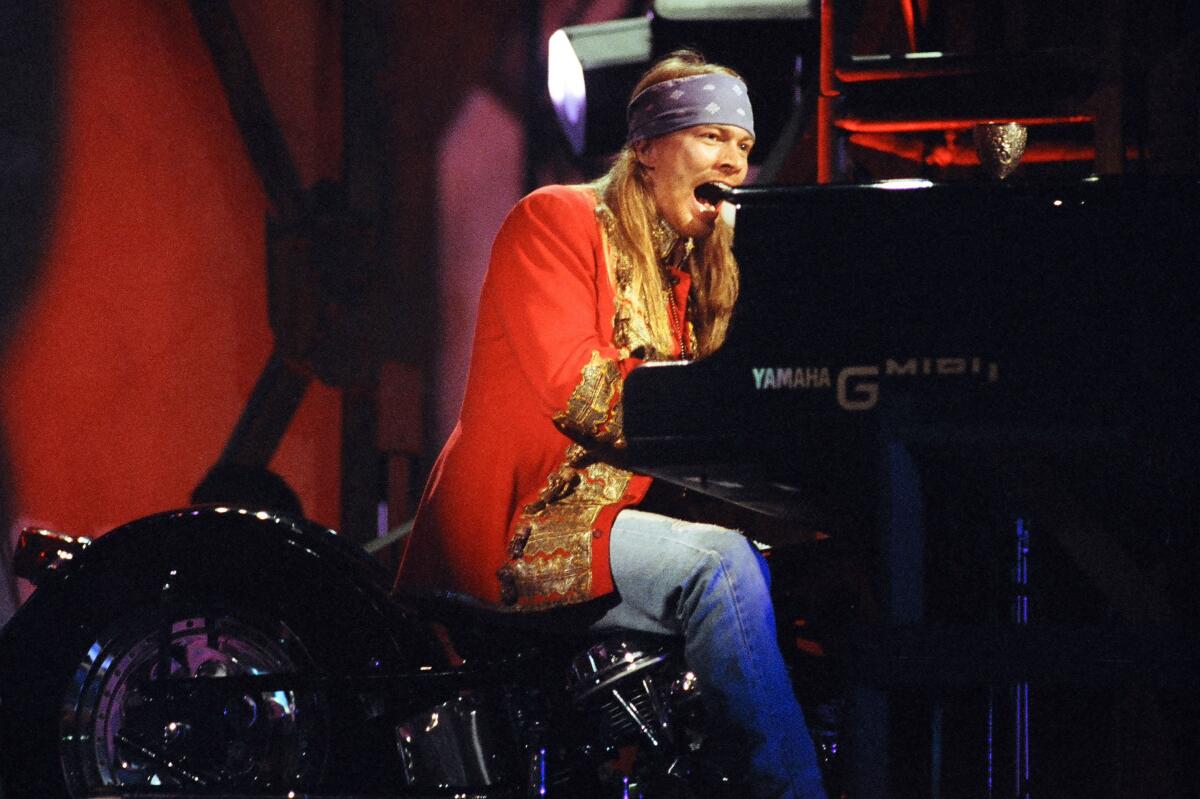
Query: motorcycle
[[221, 649]]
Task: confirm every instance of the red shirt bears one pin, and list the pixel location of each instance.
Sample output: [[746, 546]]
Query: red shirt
[[520, 503]]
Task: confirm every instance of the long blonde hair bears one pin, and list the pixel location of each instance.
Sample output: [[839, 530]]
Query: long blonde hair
[[625, 192]]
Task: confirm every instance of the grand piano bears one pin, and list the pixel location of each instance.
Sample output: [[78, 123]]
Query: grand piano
[[926, 373], [980, 317]]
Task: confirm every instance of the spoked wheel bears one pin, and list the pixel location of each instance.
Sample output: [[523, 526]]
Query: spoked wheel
[[129, 720]]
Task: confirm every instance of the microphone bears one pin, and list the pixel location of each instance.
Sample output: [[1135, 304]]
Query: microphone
[[715, 193]]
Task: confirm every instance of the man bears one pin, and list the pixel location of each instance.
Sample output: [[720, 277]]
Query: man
[[528, 505]]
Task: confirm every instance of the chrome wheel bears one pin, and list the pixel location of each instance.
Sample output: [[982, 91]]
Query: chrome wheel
[[130, 720]]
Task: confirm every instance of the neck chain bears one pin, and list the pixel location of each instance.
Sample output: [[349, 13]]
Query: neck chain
[[678, 320], [672, 250]]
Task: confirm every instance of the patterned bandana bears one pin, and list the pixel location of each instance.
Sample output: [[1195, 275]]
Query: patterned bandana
[[711, 98]]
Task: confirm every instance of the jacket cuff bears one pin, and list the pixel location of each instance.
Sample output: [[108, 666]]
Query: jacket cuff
[[594, 411]]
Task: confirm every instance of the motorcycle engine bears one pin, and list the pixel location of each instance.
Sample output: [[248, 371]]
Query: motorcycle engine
[[631, 689], [452, 744]]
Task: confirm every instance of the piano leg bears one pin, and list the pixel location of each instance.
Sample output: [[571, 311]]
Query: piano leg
[[901, 512]]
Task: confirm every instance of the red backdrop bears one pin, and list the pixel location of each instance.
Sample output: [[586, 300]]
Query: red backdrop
[[148, 327]]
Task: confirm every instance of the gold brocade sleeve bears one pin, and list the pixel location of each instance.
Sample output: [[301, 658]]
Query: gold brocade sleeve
[[550, 551], [593, 414]]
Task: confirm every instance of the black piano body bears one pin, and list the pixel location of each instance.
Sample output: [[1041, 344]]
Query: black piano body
[[989, 317], [915, 367]]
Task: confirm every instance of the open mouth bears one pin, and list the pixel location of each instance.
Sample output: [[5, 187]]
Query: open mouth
[[711, 194]]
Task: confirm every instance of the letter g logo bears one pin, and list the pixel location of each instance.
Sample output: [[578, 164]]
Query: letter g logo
[[854, 391]]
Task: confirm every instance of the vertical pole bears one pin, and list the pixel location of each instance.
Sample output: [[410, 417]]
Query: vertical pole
[[990, 744], [360, 486], [535, 91], [910, 23], [1107, 100], [1020, 609], [903, 554], [937, 719], [364, 170], [827, 94]]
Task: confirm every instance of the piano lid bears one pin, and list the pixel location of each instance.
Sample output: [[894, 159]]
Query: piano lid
[[1006, 314]]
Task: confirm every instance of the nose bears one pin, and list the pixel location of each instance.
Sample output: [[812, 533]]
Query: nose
[[732, 160]]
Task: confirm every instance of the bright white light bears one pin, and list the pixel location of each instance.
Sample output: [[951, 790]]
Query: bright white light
[[722, 10], [729, 214], [282, 700], [901, 184], [565, 82], [565, 73]]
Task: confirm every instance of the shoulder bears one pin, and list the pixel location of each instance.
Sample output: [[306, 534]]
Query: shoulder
[[565, 203], [562, 214]]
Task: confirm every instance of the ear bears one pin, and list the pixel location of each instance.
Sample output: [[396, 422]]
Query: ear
[[646, 152]]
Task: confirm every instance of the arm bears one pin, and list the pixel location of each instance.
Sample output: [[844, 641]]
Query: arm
[[546, 287]]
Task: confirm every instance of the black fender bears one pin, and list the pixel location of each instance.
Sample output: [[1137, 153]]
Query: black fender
[[330, 594]]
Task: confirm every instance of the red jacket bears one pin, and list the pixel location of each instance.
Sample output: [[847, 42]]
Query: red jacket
[[520, 503]]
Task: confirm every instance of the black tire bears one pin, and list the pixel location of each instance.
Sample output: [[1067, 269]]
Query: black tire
[[185, 593]]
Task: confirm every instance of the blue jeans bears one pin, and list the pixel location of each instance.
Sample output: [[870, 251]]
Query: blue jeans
[[711, 586]]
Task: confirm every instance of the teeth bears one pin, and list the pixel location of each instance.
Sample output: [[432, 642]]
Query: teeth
[[710, 193]]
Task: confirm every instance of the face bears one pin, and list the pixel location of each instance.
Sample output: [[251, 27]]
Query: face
[[679, 162]]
